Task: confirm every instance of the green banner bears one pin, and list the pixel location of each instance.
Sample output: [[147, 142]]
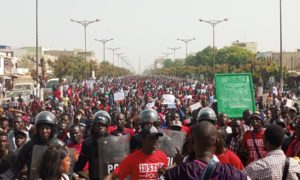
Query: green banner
[[234, 94]]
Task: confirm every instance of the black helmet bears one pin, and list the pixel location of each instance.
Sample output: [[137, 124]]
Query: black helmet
[[45, 117], [149, 114], [207, 114], [102, 117]]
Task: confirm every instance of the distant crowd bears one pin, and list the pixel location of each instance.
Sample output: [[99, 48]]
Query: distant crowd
[[264, 144]]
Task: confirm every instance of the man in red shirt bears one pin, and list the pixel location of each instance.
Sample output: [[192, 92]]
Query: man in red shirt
[[294, 147], [253, 139], [226, 156], [76, 142], [121, 129], [145, 162]]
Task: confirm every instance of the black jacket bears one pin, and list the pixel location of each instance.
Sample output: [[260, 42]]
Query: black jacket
[[25, 155], [89, 153]]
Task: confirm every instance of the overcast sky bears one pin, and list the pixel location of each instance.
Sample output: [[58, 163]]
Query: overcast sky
[[145, 28]]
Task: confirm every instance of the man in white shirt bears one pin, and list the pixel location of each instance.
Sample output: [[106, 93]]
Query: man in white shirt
[[273, 165]]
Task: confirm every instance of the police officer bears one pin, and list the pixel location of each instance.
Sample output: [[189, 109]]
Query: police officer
[[149, 117], [207, 114], [45, 123], [89, 152]]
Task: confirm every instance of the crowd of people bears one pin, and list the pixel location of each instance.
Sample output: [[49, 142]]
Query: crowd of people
[[66, 128]]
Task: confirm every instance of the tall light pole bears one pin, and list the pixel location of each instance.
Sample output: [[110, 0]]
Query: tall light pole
[[123, 58], [119, 54], [113, 51], [85, 23], [167, 55], [186, 41], [174, 49], [280, 55], [104, 41], [213, 23], [37, 45]]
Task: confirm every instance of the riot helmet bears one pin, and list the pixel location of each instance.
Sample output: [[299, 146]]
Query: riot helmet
[[102, 117], [45, 117], [207, 114], [148, 115]]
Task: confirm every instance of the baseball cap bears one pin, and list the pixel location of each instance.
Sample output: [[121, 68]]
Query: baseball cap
[[150, 131], [257, 117]]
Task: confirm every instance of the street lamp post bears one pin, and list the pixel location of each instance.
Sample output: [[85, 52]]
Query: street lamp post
[[104, 41], [174, 49], [186, 41], [85, 23], [213, 23], [113, 51], [167, 55], [280, 56], [119, 54], [37, 47], [122, 59]]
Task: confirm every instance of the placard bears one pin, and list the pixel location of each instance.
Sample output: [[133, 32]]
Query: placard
[[195, 106], [234, 94], [168, 99], [119, 96]]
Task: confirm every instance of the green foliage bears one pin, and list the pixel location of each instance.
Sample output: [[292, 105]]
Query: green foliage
[[228, 60], [79, 69], [168, 63]]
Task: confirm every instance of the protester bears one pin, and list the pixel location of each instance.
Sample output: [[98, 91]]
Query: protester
[[5, 154], [205, 138], [4, 124], [144, 105], [225, 155], [253, 139], [247, 120], [223, 122], [234, 140], [275, 165], [55, 164], [294, 146], [145, 162]]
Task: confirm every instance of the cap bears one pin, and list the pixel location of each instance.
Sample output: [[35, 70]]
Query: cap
[[150, 131], [23, 133], [25, 118], [186, 122], [176, 123], [257, 117], [293, 109]]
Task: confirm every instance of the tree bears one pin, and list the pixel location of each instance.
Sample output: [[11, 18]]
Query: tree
[[234, 56], [26, 62], [168, 63]]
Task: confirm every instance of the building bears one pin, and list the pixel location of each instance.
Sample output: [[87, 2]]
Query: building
[[9, 60], [250, 46], [90, 55], [289, 59]]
